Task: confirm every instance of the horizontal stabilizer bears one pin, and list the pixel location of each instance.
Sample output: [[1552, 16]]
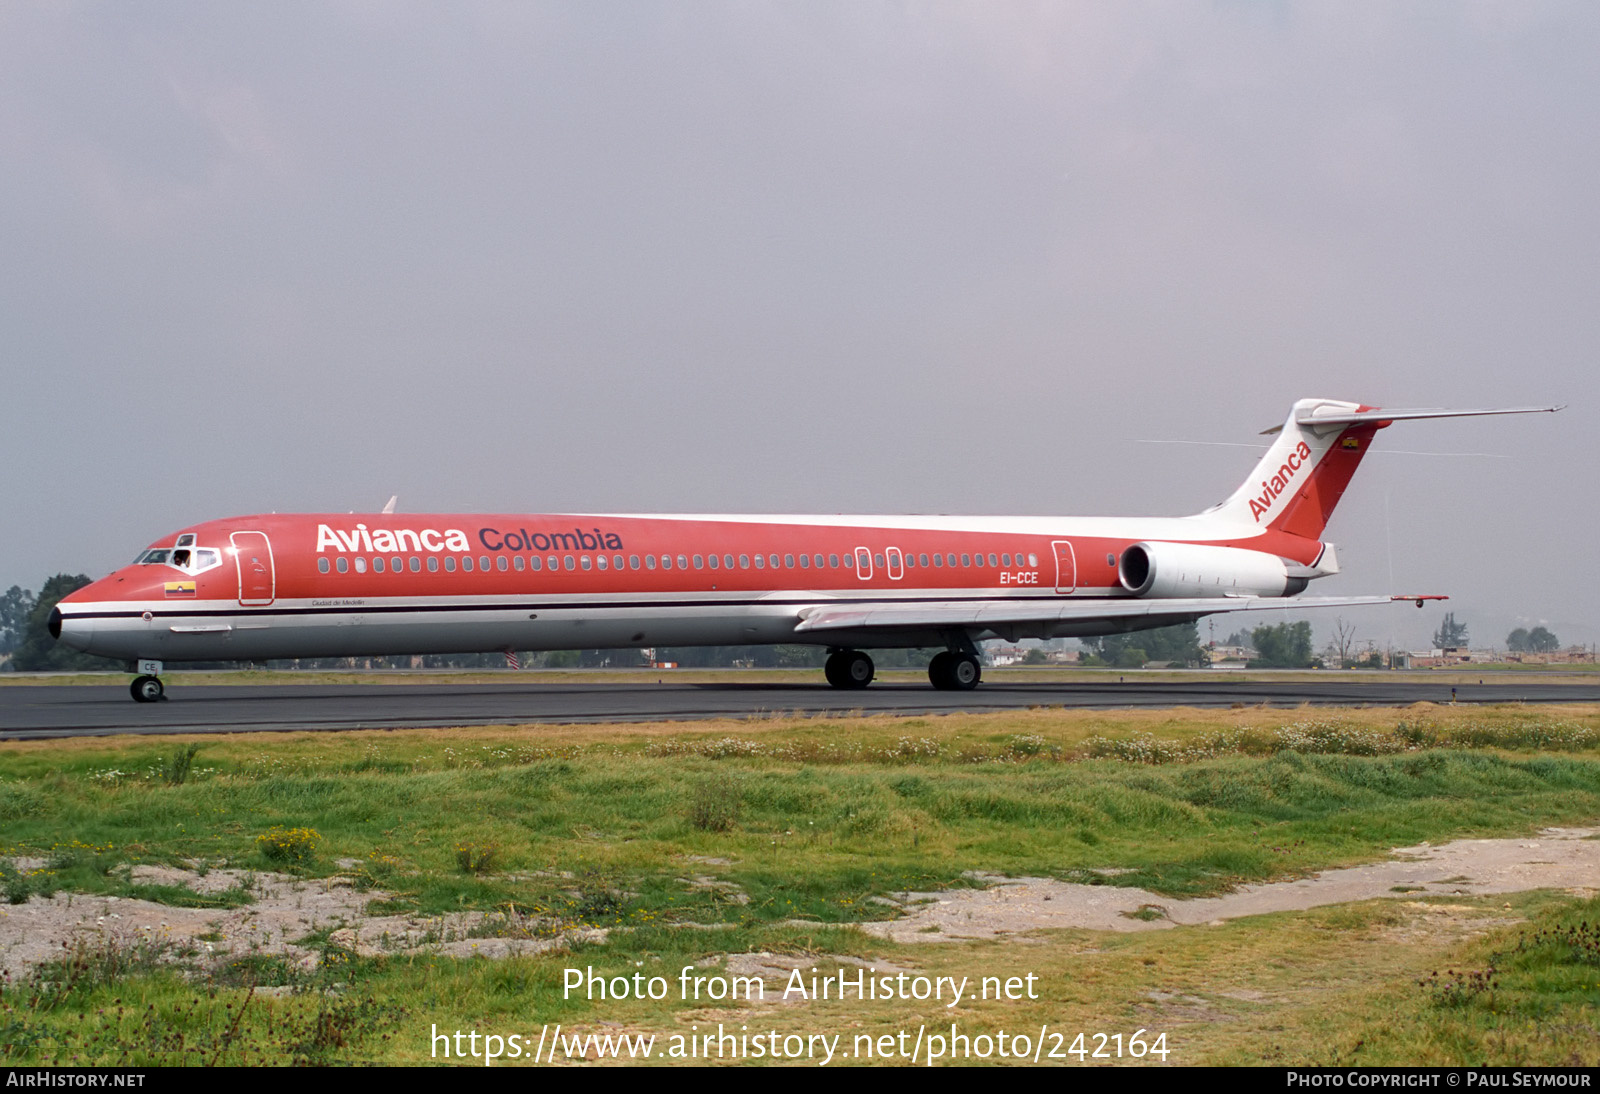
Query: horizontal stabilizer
[[1315, 419]]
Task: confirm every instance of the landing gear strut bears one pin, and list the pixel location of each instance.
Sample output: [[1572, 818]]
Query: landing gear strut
[[146, 687], [849, 669]]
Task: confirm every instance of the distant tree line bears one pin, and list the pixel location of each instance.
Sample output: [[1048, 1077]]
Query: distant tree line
[[1538, 640], [1178, 644]]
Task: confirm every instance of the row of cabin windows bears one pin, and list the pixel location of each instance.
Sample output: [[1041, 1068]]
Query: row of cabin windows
[[399, 564]]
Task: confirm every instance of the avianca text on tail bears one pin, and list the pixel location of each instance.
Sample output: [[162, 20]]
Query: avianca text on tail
[[339, 585]]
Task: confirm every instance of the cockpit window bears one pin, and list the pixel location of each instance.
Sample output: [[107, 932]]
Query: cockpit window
[[190, 559]]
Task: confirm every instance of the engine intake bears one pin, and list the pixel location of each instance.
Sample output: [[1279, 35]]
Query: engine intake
[[1163, 570]]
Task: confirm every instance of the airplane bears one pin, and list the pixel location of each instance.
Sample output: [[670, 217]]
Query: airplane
[[344, 585]]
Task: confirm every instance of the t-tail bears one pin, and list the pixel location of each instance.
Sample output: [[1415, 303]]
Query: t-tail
[[1300, 480]]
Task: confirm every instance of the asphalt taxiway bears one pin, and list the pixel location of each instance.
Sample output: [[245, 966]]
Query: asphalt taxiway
[[51, 711]]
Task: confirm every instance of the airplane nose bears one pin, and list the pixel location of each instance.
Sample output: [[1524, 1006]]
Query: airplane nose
[[71, 631]]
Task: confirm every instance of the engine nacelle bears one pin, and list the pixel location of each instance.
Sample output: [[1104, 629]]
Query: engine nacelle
[[1161, 570]]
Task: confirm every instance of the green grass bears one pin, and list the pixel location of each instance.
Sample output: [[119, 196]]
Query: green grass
[[809, 820]]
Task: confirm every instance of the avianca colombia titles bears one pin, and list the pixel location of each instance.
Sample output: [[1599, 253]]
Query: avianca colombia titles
[[332, 585]]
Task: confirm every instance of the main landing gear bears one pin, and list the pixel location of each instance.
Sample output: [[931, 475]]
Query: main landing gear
[[146, 687], [849, 669], [954, 671]]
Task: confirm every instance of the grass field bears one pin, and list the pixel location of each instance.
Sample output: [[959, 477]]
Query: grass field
[[776, 836]]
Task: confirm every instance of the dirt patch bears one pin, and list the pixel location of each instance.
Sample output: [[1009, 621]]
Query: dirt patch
[[287, 917], [1558, 858]]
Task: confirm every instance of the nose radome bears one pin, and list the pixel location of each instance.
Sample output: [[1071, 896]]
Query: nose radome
[[71, 631]]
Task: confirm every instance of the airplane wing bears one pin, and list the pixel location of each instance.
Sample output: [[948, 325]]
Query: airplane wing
[[1002, 615]]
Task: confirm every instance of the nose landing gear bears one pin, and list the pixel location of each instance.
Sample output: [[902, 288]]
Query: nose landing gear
[[146, 687]]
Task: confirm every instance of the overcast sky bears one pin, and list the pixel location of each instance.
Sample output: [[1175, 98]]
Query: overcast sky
[[801, 257]]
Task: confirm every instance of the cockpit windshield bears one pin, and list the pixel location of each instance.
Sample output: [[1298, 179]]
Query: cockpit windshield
[[189, 559]]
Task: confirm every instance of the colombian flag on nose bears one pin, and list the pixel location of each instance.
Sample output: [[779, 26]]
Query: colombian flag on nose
[[180, 588]]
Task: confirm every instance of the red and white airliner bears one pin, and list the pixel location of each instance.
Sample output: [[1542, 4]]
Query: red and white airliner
[[340, 585]]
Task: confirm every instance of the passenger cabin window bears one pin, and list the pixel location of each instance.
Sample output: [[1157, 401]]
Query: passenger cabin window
[[377, 565], [322, 564], [342, 565], [449, 564], [416, 564], [433, 564], [466, 563], [361, 565]]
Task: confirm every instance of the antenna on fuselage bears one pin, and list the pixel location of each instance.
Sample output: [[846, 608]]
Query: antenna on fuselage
[[388, 509]]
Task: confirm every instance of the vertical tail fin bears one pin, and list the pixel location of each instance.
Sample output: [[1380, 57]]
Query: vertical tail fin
[[1300, 480]]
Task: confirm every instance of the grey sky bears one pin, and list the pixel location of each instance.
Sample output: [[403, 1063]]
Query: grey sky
[[803, 257]]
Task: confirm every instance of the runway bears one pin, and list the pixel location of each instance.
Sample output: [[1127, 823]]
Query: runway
[[29, 712]]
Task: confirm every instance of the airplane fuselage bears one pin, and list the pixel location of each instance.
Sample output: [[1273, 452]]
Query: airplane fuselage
[[338, 585]]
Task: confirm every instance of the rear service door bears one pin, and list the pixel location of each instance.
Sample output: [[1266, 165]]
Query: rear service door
[[1066, 566], [253, 555]]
